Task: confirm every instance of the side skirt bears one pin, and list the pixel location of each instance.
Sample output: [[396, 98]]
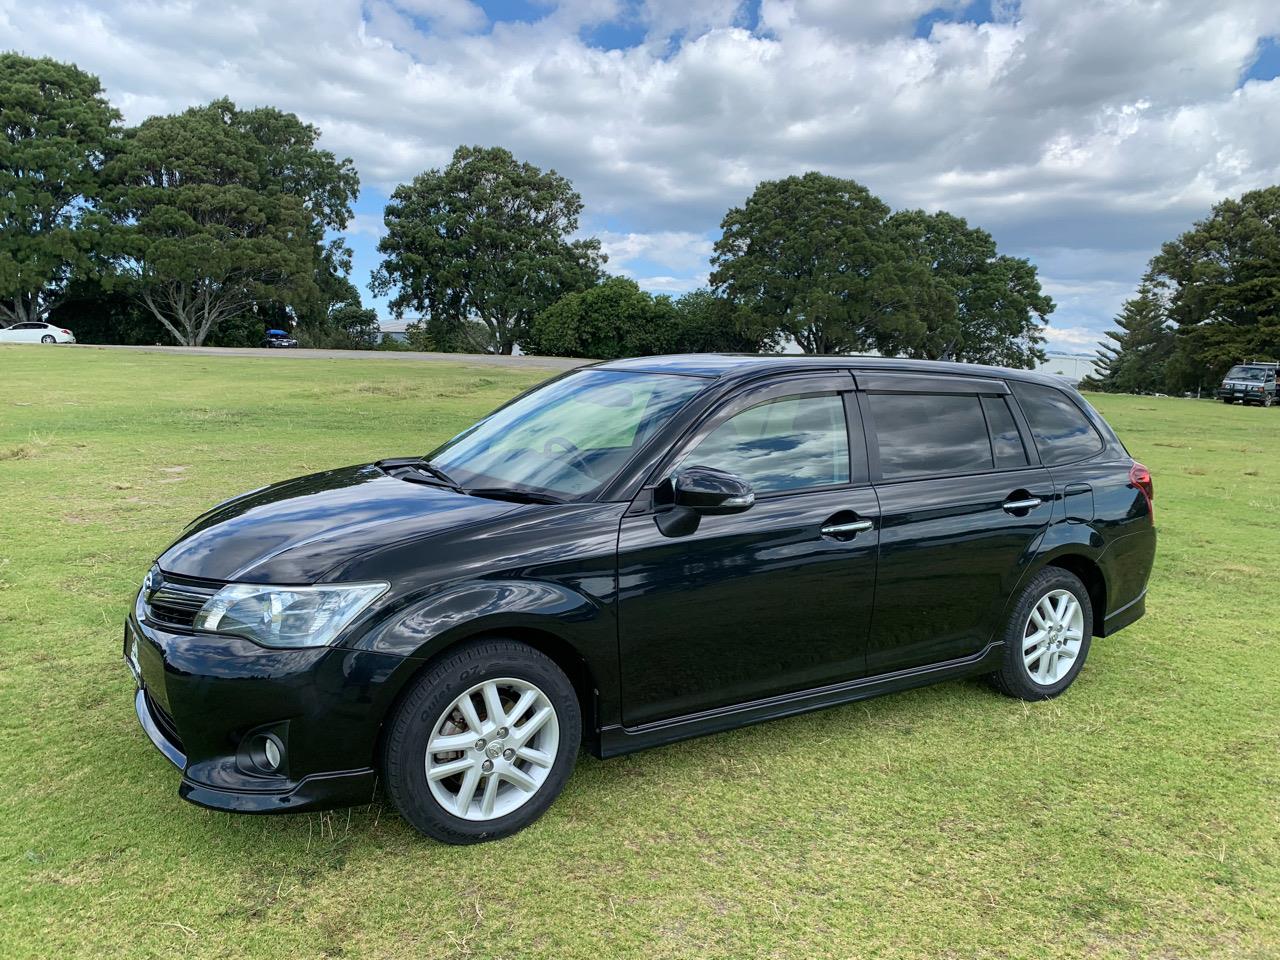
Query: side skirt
[[616, 740]]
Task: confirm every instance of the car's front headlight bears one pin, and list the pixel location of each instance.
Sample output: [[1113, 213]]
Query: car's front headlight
[[287, 617]]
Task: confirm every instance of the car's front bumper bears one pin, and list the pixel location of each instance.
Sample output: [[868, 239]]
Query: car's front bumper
[[1242, 394], [201, 699]]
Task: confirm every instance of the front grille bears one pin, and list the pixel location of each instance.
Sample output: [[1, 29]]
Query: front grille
[[163, 720], [177, 601]]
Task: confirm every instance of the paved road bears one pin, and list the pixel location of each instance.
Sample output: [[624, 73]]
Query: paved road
[[524, 363]]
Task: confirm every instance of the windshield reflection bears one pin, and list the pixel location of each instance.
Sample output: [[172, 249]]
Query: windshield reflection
[[568, 438]]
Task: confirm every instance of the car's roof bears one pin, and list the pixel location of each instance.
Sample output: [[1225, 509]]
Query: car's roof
[[742, 365]]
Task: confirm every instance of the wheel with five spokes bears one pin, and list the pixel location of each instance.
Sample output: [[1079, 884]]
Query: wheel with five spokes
[[482, 743], [1047, 638]]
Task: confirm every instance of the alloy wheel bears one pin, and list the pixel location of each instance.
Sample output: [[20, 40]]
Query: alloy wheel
[[492, 749], [1052, 637]]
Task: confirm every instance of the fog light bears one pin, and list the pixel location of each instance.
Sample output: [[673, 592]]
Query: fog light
[[266, 753]]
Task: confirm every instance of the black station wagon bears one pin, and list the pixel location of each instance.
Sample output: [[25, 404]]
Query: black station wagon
[[630, 554]]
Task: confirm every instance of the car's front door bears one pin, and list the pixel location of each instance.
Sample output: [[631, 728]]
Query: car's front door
[[963, 502], [767, 601], [24, 333]]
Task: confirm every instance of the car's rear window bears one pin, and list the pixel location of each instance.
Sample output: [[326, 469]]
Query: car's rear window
[[1062, 432]]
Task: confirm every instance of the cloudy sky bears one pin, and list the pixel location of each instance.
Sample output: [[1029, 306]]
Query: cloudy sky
[[1080, 134]]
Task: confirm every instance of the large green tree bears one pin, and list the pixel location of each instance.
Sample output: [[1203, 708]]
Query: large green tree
[[706, 323], [224, 211], [613, 319], [812, 258], [1221, 280], [1136, 359], [980, 306], [59, 131], [487, 238]]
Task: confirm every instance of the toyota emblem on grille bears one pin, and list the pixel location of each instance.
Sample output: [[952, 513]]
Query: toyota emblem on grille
[[153, 582]]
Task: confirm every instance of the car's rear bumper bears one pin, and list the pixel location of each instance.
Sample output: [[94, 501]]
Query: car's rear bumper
[[1127, 564], [1132, 611], [201, 700]]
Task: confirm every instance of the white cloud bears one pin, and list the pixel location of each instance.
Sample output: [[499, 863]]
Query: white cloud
[[1079, 133], [673, 249], [1071, 339], [446, 14], [367, 224], [666, 17]]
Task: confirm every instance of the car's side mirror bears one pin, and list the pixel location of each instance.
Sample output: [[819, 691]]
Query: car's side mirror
[[712, 492], [680, 502]]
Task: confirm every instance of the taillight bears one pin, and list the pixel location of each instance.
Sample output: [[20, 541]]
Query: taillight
[[1140, 477], [67, 332]]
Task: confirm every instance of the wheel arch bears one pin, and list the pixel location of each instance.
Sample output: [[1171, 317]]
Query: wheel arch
[[547, 642]]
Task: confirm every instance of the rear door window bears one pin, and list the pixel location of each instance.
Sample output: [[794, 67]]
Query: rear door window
[[1062, 433], [937, 434]]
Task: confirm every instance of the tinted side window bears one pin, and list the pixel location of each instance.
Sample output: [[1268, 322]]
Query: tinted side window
[[930, 433], [1006, 442], [1062, 432], [788, 444]]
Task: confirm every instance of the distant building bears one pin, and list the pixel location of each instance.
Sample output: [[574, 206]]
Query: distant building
[[1073, 367], [394, 329]]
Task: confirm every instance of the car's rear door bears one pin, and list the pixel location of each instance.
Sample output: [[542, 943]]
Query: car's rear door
[[963, 502], [764, 602]]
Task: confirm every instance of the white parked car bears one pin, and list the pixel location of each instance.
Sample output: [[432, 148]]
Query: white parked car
[[36, 333]]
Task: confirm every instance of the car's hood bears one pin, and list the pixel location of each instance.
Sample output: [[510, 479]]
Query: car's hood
[[292, 532]]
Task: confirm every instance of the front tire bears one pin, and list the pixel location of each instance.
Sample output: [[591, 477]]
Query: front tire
[[483, 742], [1047, 638]]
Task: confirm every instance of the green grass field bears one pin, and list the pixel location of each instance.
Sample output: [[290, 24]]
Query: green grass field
[[1138, 816]]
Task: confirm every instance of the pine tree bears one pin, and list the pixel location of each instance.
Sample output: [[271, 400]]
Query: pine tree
[[1143, 345]]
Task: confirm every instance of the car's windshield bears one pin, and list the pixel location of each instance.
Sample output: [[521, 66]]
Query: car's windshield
[[1247, 373], [567, 438]]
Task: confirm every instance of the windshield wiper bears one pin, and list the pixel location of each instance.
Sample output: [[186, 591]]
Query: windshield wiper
[[426, 466], [519, 496], [422, 466]]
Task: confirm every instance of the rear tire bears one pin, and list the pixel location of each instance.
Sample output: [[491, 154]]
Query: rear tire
[[48, 338], [505, 725], [1047, 638]]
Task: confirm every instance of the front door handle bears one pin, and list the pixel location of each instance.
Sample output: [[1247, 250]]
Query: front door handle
[[1030, 503], [850, 529]]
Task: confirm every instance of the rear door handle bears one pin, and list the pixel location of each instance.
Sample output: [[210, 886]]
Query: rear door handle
[[850, 529], [1030, 503]]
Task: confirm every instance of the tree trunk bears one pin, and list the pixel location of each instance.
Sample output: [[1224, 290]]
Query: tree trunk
[[190, 315], [23, 308]]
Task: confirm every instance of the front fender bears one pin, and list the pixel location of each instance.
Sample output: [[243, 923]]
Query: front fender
[[432, 624], [465, 609]]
